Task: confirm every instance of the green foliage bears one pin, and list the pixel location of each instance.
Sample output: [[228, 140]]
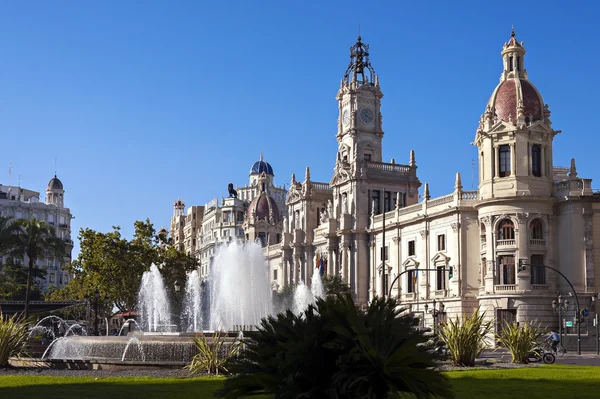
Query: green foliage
[[213, 356], [36, 239], [13, 284], [283, 299], [520, 340], [13, 336], [333, 350], [465, 338], [7, 232], [334, 285], [114, 265]]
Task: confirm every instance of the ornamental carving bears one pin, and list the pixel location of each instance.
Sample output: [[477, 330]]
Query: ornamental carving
[[486, 220], [424, 233], [396, 240], [455, 226], [522, 217]]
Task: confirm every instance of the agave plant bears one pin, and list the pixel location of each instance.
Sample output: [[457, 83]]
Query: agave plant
[[213, 356], [520, 340], [334, 350], [13, 335], [466, 338]]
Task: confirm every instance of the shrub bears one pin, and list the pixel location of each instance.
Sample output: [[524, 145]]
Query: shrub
[[334, 350], [213, 356], [13, 335], [520, 340], [465, 338]]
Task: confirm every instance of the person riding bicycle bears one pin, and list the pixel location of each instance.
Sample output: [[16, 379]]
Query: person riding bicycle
[[555, 339]]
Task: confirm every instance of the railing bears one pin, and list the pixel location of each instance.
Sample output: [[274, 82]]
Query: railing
[[505, 287], [505, 243], [537, 242], [540, 287], [388, 167], [321, 186], [440, 201], [469, 195], [408, 296], [409, 209]]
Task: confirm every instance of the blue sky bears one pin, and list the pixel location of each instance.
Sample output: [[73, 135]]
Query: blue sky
[[145, 102]]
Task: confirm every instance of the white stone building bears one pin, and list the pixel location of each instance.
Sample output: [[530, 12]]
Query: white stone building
[[21, 203]]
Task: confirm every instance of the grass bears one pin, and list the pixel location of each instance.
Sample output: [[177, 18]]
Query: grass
[[545, 382]]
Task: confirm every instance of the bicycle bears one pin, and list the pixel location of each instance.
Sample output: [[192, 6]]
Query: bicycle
[[559, 351]]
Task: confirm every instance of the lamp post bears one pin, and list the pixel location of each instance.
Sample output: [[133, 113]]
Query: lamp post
[[435, 313], [559, 306]]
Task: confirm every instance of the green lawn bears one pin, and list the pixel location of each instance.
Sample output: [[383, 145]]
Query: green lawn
[[545, 382]]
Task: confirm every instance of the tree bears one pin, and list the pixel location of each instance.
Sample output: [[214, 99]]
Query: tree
[[114, 265], [334, 285], [333, 350], [35, 238], [7, 232], [13, 284]]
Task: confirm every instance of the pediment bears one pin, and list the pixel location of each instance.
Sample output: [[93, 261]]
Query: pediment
[[410, 262], [502, 127], [440, 257]]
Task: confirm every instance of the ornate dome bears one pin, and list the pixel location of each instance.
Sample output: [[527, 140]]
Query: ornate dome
[[513, 92], [261, 166], [263, 207], [55, 184]]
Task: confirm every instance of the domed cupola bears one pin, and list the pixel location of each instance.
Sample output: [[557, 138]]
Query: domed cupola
[[55, 184], [55, 192], [515, 99], [260, 167], [264, 208]]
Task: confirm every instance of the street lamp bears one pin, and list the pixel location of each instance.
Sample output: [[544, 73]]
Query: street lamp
[[435, 313], [559, 307]]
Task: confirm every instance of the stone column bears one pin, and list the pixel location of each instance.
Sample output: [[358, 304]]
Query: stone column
[[543, 160], [496, 161], [523, 279]]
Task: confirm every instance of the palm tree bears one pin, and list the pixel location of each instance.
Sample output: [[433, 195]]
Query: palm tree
[[7, 230], [35, 238]]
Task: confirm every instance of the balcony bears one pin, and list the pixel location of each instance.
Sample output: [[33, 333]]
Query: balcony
[[439, 293], [408, 296], [505, 287], [540, 287], [537, 243], [505, 243]]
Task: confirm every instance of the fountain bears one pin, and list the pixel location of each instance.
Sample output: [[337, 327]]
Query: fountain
[[241, 295], [235, 299]]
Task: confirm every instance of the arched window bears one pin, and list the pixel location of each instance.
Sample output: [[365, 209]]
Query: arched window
[[506, 230], [536, 230], [482, 234]]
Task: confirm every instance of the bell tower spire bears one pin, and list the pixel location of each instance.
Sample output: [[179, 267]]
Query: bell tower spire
[[513, 57], [359, 101]]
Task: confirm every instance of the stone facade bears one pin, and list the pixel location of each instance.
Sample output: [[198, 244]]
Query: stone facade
[[21, 203]]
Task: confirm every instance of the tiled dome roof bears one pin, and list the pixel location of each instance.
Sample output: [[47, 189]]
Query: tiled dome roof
[[261, 166], [262, 207], [505, 100], [55, 184]]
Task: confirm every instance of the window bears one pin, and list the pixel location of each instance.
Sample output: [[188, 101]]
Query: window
[[240, 216], [506, 270], [518, 63], [504, 158], [538, 271], [263, 239], [506, 230], [510, 63], [440, 281], [51, 278], [411, 248], [384, 253], [536, 160], [536, 230], [483, 269], [375, 196], [410, 281], [482, 233], [441, 242], [275, 274], [387, 201], [367, 157]]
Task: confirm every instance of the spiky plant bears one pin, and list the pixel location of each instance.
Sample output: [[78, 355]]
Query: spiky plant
[[465, 338], [13, 336], [520, 339], [213, 355], [334, 350]]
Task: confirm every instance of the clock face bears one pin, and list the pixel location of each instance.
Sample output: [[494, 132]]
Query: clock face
[[366, 115], [346, 117]]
